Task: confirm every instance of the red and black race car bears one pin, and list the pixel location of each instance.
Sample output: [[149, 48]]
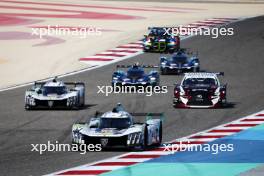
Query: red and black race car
[[200, 90]]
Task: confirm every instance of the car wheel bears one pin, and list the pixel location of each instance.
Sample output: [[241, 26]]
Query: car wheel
[[160, 136], [164, 71], [144, 143], [175, 104], [224, 103], [196, 69]]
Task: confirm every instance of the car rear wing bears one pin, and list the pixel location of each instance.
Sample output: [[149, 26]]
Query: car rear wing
[[220, 73], [38, 84], [41, 83], [149, 116], [146, 114], [143, 66], [74, 83], [188, 51]]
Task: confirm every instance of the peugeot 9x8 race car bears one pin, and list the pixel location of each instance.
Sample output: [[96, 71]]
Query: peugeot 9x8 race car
[[55, 94], [118, 128], [135, 76], [158, 40], [200, 90], [179, 62]]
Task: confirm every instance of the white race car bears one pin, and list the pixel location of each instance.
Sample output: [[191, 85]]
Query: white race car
[[53, 94], [117, 128]]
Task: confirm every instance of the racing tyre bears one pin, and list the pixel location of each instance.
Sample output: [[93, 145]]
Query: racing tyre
[[164, 71], [171, 51], [196, 69], [81, 94], [145, 50], [160, 134], [224, 103], [145, 139]]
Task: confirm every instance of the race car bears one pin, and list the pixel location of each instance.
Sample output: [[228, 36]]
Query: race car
[[55, 94], [179, 62], [158, 40], [118, 128], [200, 90], [135, 76]]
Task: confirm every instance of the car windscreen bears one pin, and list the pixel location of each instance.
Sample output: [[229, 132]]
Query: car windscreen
[[179, 59], [54, 90], [200, 82], [157, 32], [119, 123], [135, 73]]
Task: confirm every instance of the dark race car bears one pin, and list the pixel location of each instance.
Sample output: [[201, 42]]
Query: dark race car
[[135, 76], [179, 62], [157, 40], [200, 90]]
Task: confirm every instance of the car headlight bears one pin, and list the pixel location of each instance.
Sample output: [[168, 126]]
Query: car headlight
[[196, 63], [140, 80], [152, 79]]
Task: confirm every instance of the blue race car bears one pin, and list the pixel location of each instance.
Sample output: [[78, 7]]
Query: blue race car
[[135, 76], [158, 40], [179, 62]]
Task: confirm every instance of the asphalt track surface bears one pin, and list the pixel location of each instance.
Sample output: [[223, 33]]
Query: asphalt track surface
[[240, 57]]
